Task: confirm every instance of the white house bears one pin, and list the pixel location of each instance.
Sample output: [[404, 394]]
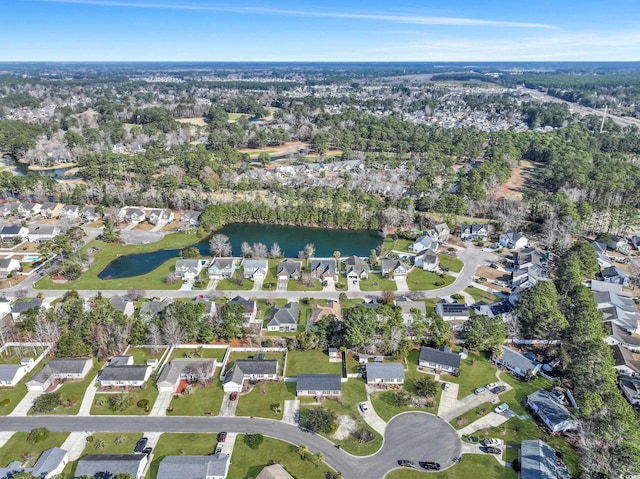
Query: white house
[[439, 232], [453, 311], [424, 242], [356, 268], [8, 266], [474, 232], [160, 216], [121, 372], [221, 268], [284, 318], [89, 213], [439, 359], [318, 385], [50, 464], [255, 269], [214, 466], [191, 218], [27, 210], [59, 369], [70, 212], [384, 373], [427, 260], [123, 305], [13, 232], [549, 408], [181, 369], [390, 268], [134, 215], [518, 364], [51, 210], [11, 374], [258, 368], [42, 232], [189, 268], [110, 465], [513, 240]]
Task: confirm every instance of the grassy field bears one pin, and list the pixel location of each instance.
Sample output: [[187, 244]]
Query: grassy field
[[259, 400], [127, 442], [109, 251], [247, 462], [389, 244], [471, 416], [471, 465], [178, 444], [232, 285], [140, 355], [150, 393], [201, 400], [521, 390], [10, 397], [421, 280], [310, 362], [294, 285], [18, 449], [13, 355], [375, 282], [475, 371], [204, 353], [451, 262], [480, 295]]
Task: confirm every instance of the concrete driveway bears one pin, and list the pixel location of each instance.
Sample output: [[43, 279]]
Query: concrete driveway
[[490, 420], [401, 283], [257, 284], [351, 286], [282, 285]]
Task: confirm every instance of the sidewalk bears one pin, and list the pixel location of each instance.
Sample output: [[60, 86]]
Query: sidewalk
[[5, 436]]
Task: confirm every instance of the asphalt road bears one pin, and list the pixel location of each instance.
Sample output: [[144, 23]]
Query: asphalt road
[[415, 436]]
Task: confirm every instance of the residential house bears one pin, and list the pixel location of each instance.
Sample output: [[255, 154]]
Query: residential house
[[134, 215], [424, 242], [274, 471], [214, 466], [324, 270], [530, 266], [42, 232], [356, 268], [320, 311], [630, 387], [250, 308], [390, 268], [635, 242], [50, 464], [12, 374], [616, 243], [8, 266], [513, 240], [441, 359], [453, 311], [114, 214], [615, 275], [222, 268], [185, 369], [69, 212], [14, 233], [538, 460], [9, 209], [256, 269], [60, 369], [159, 216], [254, 369], [549, 408], [125, 306], [601, 252], [191, 218], [439, 232], [625, 362], [5, 307], [121, 372], [518, 364], [617, 306], [616, 334], [408, 307], [284, 318], [427, 260], [501, 308], [318, 385], [27, 210], [89, 213], [475, 232], [51, 210], [189, 269], [289, 269], [384, 373], [23, 306], [154, 307], [107, 466]]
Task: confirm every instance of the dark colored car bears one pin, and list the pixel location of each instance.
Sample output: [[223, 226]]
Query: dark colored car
[[234, 396], [431, 466], [494, 450], [142, 442], [147, 450], [498, 389], [222, 436], [406, 463]]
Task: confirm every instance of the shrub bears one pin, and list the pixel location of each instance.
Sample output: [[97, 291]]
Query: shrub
[[99, 444], [364, 435], [143, 403], [253, 440], [318, 419], [119, 440], [37, 435], [47, 402], [100, 402], [5, 402], [89, 438]]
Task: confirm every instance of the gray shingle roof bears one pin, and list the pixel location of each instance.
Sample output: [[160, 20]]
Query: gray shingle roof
[[124, 373], [22, 306], [318, 382], [516, 360], [60, 366], [8, 371], [193, 467], [385, 371], [289, 267], [437, 356], [538, 461], [287, 314], [48, 461], [247, 367], [549, 407], [106, 466], [153, 307], [171, 372]]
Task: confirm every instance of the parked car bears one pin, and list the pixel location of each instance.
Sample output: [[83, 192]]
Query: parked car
[[147, 450], [491, 385], [445, 386], [222, 436], [431, 466], [218, 449], [498, 389], [479, 390], [363, 407], [140, 445], [494, 450], [406, 463], [501, 408], [492, 443], [234, 395]]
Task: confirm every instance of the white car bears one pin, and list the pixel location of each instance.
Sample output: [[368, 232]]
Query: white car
[[501, 408], [363, 407], [492, 443], [479, 391], [491, 385]]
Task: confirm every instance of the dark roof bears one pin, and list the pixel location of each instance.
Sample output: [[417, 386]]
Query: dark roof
[[538, 461], [247, 367], [514, 359], [323, 266], [193, 467], [289, 267], [454, 309], [22, 306], [11, 230], [318, 382], [623, 357], [287, 314], [549, 407], [384, 370], [437, 356], [154, 307], [124, 373], [248, 305], [107, 466]]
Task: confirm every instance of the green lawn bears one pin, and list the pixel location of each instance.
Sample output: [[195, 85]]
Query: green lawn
[[399, 244], [10, 397], [375, 282], [475, 371], [18, 449], [310, 362], [271, 280], [521, 390], [472, 416], [451, 262], [201, 400], [421, 280], [13, 355], [471, 465], [150, 393], [140, 355], [179, 444], [247, 462], [259, 400], [480, 295], [109, 251], [232, 285], [110, 441], [204, 353], [294, 285]]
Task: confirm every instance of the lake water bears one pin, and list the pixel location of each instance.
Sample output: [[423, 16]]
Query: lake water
[[291, 239]]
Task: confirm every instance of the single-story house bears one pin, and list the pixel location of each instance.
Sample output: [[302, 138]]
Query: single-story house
[[215, 466], [289, 269], [222, 268], [408, 307], [8, 266], [384, 373], [615, 275], [391, 268], [13, 232], [121, 372], [324, 269], [630, 387], [189, 268], [123, 305], [51, 210], [189, 369], [191, 217], [154, 307], [549, 409], [424, 242], [538, 460], [250, 308], [255, 269], [284, 318], [274, 471], [89, 213], [69, 212], [318, 385], [42, 232], [518, 364], [513, 240], [427, 260], [59, 369], [134, 215], [11, 374], [319, 311], [258, 368], [356, 268], [50, 464], [474, 232], [20, 307], [453, 311], [107, 466], [158, 216], [439, 232], [501, 308], [440, 359], [624, 361]]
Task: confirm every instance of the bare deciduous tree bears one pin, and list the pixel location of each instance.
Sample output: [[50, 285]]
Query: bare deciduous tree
[[275, 251], [246, 250], [219, 245], [172, 332], [47, 331], [135, 294], [259, 250], [154, 338]]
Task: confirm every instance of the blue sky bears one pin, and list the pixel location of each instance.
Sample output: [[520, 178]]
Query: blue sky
[[279, 30]]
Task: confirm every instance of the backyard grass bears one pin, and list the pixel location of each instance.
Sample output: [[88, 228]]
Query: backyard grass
[[475, 371], [178, 444], [201, 400], [18, 449], [204, 353], [259, 400], [13, 354], [247, 462], [294, 285], [140, 355], [310, 362], [271, 280], [472, 416], [480, 295], [150, 393], [375, 282], [471, 465], [10, 397], [110, 251], [421, 280], [521, 390], [389, 244], [232, 285], [451, 262]]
